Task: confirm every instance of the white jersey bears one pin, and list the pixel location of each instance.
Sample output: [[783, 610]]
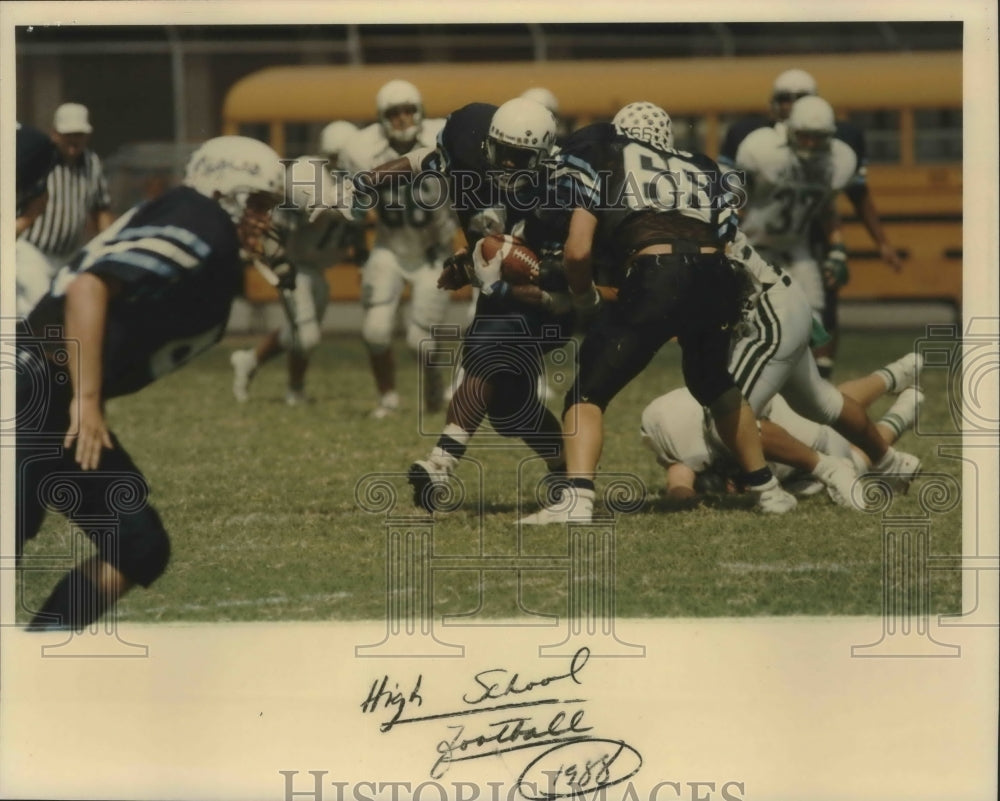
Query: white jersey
[[313, 246], [784, 194], [33, 273], [674, 427], [408, 226], [678, 430]]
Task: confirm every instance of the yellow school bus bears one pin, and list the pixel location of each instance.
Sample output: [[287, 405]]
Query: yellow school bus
[[909, 104]]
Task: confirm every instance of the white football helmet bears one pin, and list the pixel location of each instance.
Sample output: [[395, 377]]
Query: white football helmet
[[244, 176], [811, 126], [522, 133], [788, 87], [334, 137], [647, 123], [542, 95], [396, 94]]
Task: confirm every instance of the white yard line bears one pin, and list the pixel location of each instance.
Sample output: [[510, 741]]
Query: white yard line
[[271, 600], [779, 567]]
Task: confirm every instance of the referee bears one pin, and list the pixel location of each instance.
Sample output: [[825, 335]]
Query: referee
[[78, 191]]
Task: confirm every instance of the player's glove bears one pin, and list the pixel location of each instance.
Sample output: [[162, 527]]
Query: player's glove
[[486, 273], [818, 335], [557, 303], [835, 273], [286, 275], [355, 198], [457, 271]]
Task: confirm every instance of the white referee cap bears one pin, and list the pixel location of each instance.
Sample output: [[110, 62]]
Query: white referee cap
[[72, 118]]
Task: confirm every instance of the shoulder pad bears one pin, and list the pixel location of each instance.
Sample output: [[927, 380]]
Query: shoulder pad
[[845, 163]]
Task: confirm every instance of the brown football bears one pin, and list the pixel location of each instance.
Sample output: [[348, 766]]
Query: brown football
[[519, 265]]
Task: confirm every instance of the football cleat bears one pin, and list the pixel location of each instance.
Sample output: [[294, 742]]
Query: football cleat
[[388, 405], [899, 467], [804, 486], [574, 506], [838, 475], [772, 499], [552, 485], [244, 364], [431, 484]]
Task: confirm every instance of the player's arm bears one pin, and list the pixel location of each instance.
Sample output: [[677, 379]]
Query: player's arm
[[103, 219], [87, 299], [100, 215], [780, 446], [861, 198], [834, 268], [578, 258], [33, 208]]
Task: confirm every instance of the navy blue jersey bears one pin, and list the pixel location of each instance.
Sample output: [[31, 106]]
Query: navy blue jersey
[[177, 261], [483, 207], [642, 195]]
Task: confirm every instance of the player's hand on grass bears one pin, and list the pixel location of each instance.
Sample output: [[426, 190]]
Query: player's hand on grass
[[88, 430]]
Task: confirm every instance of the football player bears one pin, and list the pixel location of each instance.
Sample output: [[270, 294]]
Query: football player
[[36, 155], [793, 174], [667, 229], [307, 248], [412, 239], [788, 87], [771, 354], [140, 300], [805, 456], [494, 159]]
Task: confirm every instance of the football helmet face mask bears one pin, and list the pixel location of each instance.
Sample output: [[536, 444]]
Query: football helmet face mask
[[334, 138], [243, 176], [647, 123], [522, 133], [811, 126], [788, 87], [400, 100]]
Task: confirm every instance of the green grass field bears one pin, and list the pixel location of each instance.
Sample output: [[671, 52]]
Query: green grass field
[[259, 500]]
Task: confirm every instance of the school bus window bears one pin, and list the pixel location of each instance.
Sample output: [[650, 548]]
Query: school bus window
[[938, 134], [255, 130], [881, 134], [302, 138], [689, 133]]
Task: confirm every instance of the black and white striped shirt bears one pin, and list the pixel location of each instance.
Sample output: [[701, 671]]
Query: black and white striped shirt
[[75, 191]]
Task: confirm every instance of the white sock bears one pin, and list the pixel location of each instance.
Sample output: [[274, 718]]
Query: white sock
[[457, 433], [903, 413]]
